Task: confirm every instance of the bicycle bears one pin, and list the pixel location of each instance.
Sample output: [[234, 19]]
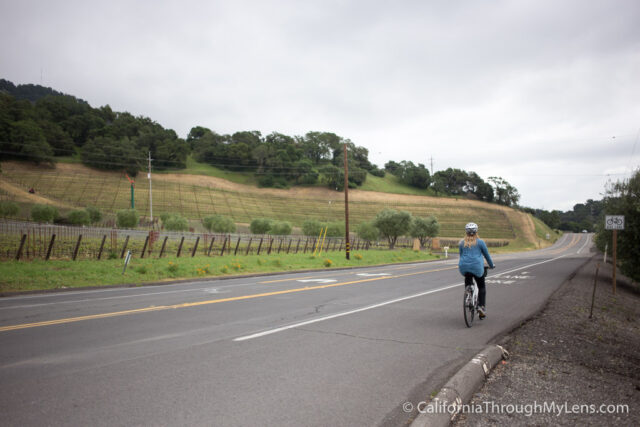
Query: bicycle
[[470, 303]]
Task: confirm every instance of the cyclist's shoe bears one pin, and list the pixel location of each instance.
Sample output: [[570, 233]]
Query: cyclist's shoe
[[482, 312]]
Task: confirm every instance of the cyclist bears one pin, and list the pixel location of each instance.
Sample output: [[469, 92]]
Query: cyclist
[[471, 265]]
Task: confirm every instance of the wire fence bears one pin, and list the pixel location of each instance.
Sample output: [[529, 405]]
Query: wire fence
[[29, 241]]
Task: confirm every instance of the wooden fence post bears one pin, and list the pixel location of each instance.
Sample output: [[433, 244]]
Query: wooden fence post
[[306, 243], [270, 245], [237, 245], [53, 239], [144, 247], [19, 253], [75, 251], [180, 247], [213, 239], [298, 245], [289, 247], [104, 238], [124, 248], [195, 247], [164, 244], [224, 246], [260, 245], [248, 246]]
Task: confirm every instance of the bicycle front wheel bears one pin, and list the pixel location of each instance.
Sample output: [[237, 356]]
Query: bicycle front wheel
[[468, 306]]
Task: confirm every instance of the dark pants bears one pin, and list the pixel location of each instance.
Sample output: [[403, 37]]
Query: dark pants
[[482, 289]]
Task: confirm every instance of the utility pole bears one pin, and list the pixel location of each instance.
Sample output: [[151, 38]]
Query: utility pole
[[346, 202], [150, 192]]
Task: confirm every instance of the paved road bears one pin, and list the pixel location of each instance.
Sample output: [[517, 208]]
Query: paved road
[[326, 348]]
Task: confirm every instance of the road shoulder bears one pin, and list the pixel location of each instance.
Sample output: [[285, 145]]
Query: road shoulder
[[561, 358]]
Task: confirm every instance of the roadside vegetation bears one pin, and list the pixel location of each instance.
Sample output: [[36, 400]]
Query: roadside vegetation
[[41, 275]]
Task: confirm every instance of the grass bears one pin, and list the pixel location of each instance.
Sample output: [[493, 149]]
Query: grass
[[197, 168], [392, 184], [41, 275]]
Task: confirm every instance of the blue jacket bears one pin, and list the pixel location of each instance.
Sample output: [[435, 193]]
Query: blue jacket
[[471, 258]]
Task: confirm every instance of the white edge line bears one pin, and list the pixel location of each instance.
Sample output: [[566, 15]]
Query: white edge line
[[370, 307], [585, 243]]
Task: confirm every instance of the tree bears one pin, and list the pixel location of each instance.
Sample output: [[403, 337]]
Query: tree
[[95, 215], [336, 229], [8, 209], [333, 176], [367, 231], [127, 218], [44, 213], [27, 142], [424, 228], [219, 224], [392, 224], [175, 222], [280, 228], [107, 153], [260, 225], [506, 194], [79, 217], [311, 227], [623, 198]]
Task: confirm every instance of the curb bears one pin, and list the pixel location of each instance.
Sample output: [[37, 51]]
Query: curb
[[459, 390]]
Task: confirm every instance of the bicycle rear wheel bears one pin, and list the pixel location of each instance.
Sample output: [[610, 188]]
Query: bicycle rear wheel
[[468, 307]]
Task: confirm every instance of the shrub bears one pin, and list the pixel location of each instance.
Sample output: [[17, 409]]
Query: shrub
[[367, 231], [127, 218], [328, 263], [336, 229], [280, 228], [172, 267], [176, 222], [219, 224], [94, 214], [260, 225], [311, 227], [44, 213], [79, 217], [8, 209]]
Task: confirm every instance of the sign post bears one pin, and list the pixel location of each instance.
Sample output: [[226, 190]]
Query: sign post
[[615, 223]]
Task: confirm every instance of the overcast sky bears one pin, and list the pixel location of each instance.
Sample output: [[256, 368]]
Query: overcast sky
[[545, 94]]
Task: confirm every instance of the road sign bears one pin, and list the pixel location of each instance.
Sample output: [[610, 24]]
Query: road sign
[[614, 222]]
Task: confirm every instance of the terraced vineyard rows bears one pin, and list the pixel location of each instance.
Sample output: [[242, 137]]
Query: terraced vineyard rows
[[111, 192]]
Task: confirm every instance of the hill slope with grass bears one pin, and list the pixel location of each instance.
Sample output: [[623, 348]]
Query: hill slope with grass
[[71, 185]]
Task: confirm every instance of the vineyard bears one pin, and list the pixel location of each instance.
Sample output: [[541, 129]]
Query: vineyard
[[71, 186]]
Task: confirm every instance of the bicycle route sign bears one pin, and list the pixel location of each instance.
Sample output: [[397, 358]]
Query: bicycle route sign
[[614, 222]]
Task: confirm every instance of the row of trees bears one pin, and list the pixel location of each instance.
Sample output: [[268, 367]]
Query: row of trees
[[281, 160], [583, 216], [455, 182], [39, 124]]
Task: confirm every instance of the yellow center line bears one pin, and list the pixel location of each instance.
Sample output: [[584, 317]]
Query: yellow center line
[[199, 303]]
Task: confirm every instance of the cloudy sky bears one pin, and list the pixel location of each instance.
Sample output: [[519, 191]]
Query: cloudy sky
[[544, 93]]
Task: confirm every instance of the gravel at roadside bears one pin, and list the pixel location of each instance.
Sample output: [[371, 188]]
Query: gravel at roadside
[[561, 358]]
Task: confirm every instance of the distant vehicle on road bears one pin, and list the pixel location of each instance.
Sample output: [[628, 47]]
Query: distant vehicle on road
[[584, 231]]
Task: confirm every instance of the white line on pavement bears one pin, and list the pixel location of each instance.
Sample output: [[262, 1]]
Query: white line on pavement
[[371, 307]]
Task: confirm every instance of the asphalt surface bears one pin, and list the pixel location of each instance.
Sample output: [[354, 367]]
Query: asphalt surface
[[348, 347]]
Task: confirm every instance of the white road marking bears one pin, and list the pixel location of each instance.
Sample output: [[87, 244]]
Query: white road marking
[[585, 243], [371, 307], [373, 274]]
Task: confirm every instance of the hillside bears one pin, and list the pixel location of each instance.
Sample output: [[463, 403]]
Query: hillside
[[195, 196]]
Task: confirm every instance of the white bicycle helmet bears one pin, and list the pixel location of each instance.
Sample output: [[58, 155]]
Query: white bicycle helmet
[[471, 228]]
